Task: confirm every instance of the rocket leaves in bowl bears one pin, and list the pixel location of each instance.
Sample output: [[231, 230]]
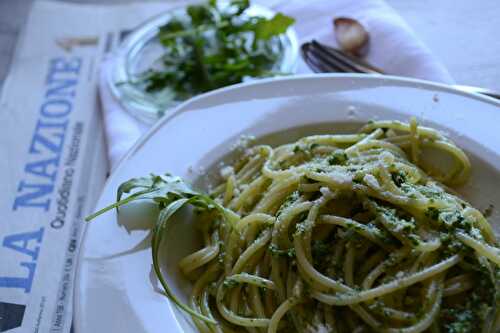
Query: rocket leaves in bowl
[[215, 45]]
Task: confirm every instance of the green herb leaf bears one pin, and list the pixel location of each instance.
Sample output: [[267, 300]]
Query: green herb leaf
[[338, 157], [159, 231], [199, 14], [275, 26], [240, 5], [170, 194]]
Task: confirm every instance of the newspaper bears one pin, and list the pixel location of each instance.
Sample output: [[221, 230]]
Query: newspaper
[[53, 162]]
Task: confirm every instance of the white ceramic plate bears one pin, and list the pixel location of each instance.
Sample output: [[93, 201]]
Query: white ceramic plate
[[114, 292]]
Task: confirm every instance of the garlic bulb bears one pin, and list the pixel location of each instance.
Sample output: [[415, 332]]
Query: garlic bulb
[[351, 36]]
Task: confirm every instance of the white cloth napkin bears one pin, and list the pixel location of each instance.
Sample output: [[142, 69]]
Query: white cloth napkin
[[393, 47], [121, 129]]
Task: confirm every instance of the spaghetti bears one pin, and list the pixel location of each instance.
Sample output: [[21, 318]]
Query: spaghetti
[[343, 233]]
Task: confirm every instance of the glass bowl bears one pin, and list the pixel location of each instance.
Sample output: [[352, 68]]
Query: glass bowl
[[141, 50]]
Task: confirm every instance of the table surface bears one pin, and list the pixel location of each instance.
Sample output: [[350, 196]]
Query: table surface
[[461, 33]]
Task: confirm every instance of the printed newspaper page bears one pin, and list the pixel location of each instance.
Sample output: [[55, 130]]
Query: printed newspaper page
[[53, 163]]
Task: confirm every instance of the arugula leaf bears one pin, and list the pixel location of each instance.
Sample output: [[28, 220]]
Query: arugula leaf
[[170, 194], [275, 26], [174, 25], [161, 228], [199, 14], [240, 5]]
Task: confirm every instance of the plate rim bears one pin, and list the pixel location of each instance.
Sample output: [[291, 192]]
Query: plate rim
[[385, 80]]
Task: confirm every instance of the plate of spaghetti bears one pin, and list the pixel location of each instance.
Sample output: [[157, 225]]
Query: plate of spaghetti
[[333, 203]]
